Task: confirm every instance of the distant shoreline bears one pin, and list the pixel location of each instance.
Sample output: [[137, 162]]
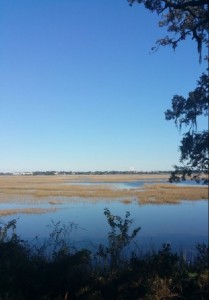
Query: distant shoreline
[[54, 173]]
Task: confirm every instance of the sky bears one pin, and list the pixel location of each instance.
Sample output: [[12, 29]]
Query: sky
[[80, 89]]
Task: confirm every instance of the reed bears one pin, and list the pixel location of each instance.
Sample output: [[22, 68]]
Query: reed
[[34, 210], [41, 188], [160, 194]]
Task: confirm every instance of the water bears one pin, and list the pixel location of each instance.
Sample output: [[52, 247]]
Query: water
[[181, 225], [117, 185], [131, 184]]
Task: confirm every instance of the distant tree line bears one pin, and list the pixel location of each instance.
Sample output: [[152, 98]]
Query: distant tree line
[[113, 172]]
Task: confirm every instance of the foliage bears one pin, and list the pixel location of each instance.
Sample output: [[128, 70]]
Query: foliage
[[48, 271], [29, 274], [118, 237], [194, 145], [183, 18], [7, 232], [202, 258]]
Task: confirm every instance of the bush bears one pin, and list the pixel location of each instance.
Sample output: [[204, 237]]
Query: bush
[[57, 271]]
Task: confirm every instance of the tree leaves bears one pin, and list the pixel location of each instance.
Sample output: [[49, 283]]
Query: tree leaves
[[194, 145], [182, 19]]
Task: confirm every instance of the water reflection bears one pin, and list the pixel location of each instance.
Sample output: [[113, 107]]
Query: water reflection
[[181, 225]]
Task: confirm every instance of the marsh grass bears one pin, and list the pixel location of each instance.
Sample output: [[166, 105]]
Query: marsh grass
[[33, 210], [126, 201], [54, 202], [41, 188], [162, 194]]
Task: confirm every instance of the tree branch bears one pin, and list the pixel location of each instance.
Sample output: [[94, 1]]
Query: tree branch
[[186, 4]]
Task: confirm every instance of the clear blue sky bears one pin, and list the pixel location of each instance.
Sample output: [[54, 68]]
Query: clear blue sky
[[79, 89]]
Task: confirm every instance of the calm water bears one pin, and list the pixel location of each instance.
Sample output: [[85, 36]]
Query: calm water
[[182, 225], [130, 184], [117, 185]]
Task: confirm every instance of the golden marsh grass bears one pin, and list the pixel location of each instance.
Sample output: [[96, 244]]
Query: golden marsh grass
[[34, 210], [39, 188]]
